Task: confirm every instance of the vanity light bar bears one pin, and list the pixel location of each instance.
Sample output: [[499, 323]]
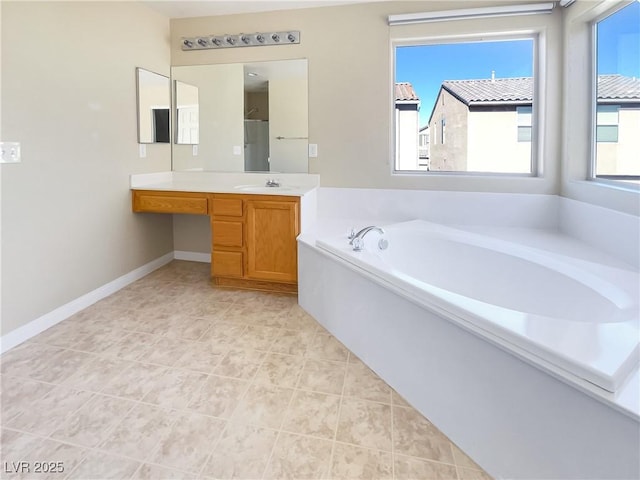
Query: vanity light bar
[[240, 40]]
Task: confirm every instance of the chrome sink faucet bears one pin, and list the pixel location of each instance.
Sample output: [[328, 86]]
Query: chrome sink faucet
[[357, 239], [272, 182]]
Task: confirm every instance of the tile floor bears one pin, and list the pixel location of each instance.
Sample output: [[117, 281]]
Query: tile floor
[[171, 378]]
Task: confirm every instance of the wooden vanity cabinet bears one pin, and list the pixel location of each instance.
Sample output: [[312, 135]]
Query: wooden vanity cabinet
[[227, 236], [271, 230], [156, 201], [254, 241], [253, 237]]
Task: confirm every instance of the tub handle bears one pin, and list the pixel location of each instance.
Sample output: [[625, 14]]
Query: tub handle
[[383, 244]]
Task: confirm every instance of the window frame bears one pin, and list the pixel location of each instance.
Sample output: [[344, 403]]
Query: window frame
[[539, 98], [605, 180]]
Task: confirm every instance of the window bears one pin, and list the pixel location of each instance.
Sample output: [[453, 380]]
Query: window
[[617, 98], [483, 90], [524, 124], [607, 123]]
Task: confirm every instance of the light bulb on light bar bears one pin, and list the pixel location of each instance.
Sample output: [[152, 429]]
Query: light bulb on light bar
[[241, 40]]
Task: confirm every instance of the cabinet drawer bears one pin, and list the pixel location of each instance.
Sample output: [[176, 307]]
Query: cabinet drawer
[[226, 264], [169, 203], [229, 207], [227, 234]]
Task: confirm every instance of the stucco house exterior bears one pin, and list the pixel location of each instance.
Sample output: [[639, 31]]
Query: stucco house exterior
[[618, 127], [407, 109], [485, 125], [482, 126]]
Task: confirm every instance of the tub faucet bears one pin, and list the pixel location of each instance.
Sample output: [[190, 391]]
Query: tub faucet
[[358, 239]]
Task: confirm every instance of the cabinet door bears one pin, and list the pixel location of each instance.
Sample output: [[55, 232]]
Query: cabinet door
[[272, 228]]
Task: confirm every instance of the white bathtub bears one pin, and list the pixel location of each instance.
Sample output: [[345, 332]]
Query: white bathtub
[[574, 315]]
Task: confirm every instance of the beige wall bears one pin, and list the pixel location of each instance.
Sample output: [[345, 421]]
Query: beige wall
[[69, 96], [350, 84]]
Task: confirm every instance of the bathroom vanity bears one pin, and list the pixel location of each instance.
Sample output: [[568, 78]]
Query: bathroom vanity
[[253, 231]]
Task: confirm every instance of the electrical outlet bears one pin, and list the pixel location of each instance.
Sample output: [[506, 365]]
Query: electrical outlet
[[143, 150], [9, 152], [194, 150]]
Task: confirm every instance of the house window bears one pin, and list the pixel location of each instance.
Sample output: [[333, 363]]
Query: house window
[[616, 103], [474, 86], [607, 123], [524, 124]]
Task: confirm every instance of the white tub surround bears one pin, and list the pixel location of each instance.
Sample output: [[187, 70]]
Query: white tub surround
[[573, 316], [291, 184], [504, 364]]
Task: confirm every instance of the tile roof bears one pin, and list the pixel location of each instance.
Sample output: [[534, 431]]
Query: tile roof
[[618, 87], [499, 90], [520, 90], [404, 92]]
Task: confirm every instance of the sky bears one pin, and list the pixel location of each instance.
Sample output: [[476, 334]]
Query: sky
[[427, 66], [618, 42]]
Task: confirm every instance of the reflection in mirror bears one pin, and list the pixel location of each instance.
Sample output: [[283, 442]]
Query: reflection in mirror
[[187, 116], [252, 117], [154, 94]]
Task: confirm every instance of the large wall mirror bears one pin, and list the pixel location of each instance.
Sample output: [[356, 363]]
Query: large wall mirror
[[187, 113], [251, 117], [154, 100]]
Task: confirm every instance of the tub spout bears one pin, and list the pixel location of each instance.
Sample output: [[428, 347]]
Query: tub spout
[[358, 239]]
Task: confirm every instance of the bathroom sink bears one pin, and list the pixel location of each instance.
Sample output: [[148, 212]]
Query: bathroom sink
[[263, 188]]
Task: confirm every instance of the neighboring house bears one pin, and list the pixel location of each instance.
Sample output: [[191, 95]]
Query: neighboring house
[[485, 125], [423, 146], [482, 126], [618, 126], [407, 108]]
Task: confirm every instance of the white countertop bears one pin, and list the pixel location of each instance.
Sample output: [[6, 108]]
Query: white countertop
[[291, 184]]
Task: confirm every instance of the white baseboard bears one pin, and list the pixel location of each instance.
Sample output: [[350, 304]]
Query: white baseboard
[[192, 256], [31, 329]]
